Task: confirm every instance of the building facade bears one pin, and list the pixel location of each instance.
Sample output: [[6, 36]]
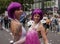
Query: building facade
[[48, 5], [59, 4]]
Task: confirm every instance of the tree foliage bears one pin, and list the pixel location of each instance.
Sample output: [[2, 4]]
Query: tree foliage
[[5, 3], [26, 3]]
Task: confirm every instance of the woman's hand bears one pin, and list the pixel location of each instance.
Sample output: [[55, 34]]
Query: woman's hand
[[21, 41]]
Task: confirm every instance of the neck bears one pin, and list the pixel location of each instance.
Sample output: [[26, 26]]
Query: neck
[[36, 22], [18, 19]]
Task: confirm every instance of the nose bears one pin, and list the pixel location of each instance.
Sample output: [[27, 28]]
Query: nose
[[36, 17]]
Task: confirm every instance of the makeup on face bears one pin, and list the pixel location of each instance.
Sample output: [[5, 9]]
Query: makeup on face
[[36, 17]]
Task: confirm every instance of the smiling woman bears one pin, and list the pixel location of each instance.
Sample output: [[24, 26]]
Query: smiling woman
[[14, 12], [36, 29]]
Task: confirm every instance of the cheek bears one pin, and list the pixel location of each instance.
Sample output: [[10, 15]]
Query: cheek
[[16, 12], [21, 11], [39, 18]]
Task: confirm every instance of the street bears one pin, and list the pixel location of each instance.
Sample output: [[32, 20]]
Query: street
[[53, 37], [5, 37]]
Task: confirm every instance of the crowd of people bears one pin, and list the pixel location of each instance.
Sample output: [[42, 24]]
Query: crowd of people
[[38, 25]]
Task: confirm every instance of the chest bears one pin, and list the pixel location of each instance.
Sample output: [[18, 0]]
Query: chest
[[35, 27]]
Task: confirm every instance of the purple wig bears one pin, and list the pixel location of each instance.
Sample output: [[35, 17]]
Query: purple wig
[[12, 7], [37, 11]]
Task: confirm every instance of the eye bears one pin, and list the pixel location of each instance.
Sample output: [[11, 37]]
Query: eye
[[38, 16]]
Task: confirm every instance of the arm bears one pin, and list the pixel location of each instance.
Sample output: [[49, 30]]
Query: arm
[[43, 33], [21, 41]]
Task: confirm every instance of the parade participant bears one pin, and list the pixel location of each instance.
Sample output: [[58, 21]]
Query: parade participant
[[46, 22], [18, 32], [36, 30], [0, 23]]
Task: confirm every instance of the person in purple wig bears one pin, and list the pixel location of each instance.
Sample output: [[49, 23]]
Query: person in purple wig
[[12, 7], [37, 29], [14, 12]]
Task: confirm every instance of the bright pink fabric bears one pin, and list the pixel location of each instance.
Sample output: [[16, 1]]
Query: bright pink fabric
[[32, 37]]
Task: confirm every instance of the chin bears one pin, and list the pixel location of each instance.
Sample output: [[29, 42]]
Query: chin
[[36, 21]]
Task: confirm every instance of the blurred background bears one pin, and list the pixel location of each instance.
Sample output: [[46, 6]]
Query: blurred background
[[50, 8]]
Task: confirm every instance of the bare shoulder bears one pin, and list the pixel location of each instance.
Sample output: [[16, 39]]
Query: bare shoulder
[[15, 27], [14, 23], [41, 28]]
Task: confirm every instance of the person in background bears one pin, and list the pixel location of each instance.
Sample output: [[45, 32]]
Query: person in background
[[23, 18], [58, 30], [45, 21], [54, 22], [14, 12], [30, 22], [0, 23], [6, 21]]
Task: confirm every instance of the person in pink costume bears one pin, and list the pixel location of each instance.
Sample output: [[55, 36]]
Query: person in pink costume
[[36, 30]]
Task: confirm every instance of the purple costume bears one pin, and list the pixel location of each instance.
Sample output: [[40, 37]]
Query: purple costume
[[32, 37]]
